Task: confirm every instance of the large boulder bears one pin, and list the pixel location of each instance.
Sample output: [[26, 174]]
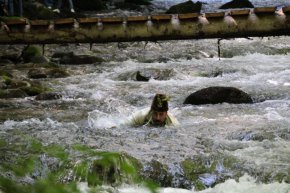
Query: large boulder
[[215, 95], [37, 73], [186, 7], [237, 4]]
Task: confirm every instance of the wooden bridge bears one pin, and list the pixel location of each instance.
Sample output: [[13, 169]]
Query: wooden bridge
[[236, 23]]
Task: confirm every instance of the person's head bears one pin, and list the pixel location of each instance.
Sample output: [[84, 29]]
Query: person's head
[[159, 109]]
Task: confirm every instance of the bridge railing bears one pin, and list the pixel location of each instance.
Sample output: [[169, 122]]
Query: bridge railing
[[236, 23]]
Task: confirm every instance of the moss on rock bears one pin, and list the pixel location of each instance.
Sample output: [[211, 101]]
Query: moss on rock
[[30, 52]]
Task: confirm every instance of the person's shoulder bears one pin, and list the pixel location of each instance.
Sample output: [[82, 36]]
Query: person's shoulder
[[173, 120], [139, 117]]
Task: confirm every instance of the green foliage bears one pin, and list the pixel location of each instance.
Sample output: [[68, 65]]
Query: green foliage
[[7, 79], [152, 186], [56, 151], [22, 159], [29, 52]]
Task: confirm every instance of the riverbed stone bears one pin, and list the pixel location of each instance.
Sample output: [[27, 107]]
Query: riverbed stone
[[215, 95], [237, 4], [48, 96], [37, 73], [57, 73], [71, 58], [158, 173], [207, 171], [186, 7], [12, 93]]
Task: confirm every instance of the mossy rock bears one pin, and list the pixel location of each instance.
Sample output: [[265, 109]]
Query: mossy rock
[[37, 73], [7, 79], [5, 73], [113, 169], [57, 73], [157, 172], [19, 84], [34, 90], [35, 10], [12, 93], [31, 52], [221, 167]]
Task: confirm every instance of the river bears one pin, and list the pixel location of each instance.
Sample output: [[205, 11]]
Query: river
[[99, 98]]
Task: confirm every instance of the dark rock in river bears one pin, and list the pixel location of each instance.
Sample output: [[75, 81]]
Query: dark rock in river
[[57, 73], [12, 93], [48, 96], [71, 58], [140, 77], [9, 58], [151, 73], [237, 4], [186, 7], [215, 95], [37, 73]]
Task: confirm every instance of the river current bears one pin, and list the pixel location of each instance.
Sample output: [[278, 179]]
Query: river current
[[99, 98]]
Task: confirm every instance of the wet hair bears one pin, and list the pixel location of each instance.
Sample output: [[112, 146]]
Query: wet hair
[[160, 103]]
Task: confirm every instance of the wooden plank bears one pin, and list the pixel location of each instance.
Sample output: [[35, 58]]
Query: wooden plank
[[286, 9], [161, 17], [112, 19], [265, 10], [137, 18], [64, 21], [15, 22], [240, 12], [218, 14], [188, 16], [89, 20], [39, 22]]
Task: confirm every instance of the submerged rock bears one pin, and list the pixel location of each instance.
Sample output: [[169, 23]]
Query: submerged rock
[[215, 95], [147, 74], [37, 73], [186, 7], [48, 96], [113, 169], [158, 173], [71, 58], [12, 93], [237, 4]]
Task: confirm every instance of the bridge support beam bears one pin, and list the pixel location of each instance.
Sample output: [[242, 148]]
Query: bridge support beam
[[258, 22]]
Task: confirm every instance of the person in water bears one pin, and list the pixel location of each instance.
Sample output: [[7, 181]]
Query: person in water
[[157, 115]]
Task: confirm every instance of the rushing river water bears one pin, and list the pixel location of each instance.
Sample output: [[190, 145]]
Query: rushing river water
[[98, 99]]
